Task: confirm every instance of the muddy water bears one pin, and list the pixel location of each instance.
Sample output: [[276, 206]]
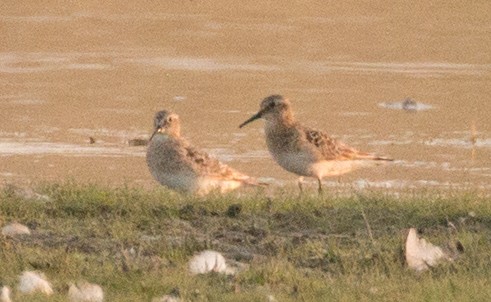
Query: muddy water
[[71, 72]]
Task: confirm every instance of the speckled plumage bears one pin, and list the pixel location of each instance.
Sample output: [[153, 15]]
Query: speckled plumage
[[175, 163], [305, 151]]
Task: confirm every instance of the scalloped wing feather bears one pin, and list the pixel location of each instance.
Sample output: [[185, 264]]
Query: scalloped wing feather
[[207, 165], [332, 149]]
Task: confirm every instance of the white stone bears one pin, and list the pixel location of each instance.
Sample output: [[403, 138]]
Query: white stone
[[14, 229], [5, 294], [167, 298], [209, 261], [31, 282], [420, 254], [85, 292]]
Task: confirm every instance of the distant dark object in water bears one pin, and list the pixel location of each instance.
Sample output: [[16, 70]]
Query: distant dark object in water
[[138, 142], [409, 105], [91, 140]]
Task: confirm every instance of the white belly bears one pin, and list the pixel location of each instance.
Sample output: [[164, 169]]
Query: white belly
[[298, 163], [206, 185], [303, 164], [200, 185], [176, 181], [337, 167]]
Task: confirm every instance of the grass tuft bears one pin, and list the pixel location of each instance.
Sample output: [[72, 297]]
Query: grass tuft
[[136, 243]]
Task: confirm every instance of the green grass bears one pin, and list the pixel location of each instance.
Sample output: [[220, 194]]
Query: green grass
[[136, 244]]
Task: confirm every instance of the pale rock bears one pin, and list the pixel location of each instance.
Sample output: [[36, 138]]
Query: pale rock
[[14, 229], [421, 254], [85, 292], [209, 261], [5, 294], [31, 282], [167, 298], [26, 193]]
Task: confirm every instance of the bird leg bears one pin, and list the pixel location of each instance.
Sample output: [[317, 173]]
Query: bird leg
[[300, 184], [320, 186]]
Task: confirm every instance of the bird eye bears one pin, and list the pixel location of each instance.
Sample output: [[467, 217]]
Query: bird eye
[[170, 119]]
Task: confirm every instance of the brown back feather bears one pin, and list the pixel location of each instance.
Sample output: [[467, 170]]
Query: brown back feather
[[212, 166], [332, 149]]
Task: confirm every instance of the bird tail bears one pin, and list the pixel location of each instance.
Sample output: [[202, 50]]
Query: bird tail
[[253, 182], [373, 157], [383, 158]]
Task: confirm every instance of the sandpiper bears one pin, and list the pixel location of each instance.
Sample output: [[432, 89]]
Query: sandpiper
[[305, 151], [176, 164]]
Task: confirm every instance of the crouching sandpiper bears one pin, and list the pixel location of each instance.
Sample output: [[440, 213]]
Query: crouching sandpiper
[[175, 163]]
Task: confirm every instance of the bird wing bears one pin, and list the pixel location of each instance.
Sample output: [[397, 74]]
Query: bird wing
[[332, 149], [207, 165]]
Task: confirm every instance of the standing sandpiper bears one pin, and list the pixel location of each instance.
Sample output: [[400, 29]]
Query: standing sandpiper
[[305, 151], [176, 164]]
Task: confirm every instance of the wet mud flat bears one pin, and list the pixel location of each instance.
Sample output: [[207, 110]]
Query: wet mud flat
[[93, 71]]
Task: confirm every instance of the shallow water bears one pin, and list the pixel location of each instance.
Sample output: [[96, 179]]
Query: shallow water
[[92, 70]]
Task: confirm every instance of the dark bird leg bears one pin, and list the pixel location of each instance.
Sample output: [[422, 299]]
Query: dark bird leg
[[320, 186]]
